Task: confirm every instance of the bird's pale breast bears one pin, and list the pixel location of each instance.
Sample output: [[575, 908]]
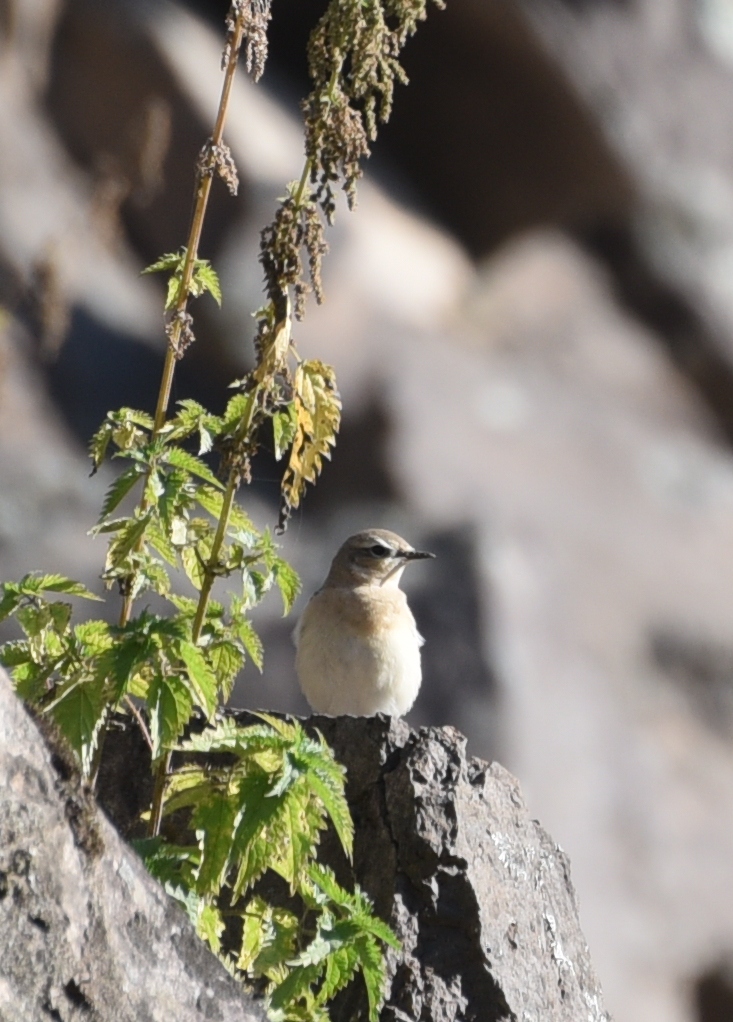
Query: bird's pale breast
[[359, 652]]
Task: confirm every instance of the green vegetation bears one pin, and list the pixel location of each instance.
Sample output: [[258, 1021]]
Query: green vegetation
[[267, 790]]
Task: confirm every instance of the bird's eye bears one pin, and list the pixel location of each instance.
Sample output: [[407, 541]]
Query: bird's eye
[[379, 551]]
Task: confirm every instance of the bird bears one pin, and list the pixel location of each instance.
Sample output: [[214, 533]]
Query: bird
[[358, 647]]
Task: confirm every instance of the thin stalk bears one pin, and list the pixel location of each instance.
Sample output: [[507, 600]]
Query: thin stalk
[[210, 572], [201, 200], [156, 808], [230, 493], [203, 191]]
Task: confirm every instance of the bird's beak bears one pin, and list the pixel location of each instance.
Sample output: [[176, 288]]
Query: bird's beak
[[416, 555]]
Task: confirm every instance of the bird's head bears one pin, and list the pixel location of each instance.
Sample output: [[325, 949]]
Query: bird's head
[[373, 557]]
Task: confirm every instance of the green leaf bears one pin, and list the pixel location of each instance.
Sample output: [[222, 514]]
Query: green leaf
[[193, 566], [160, 542], [205, 278], [119, 489], [250, 640], [79, 712], [238, 409], [341, 966], [226, 661], [126, 540], [258, 810], [372, 966], [171, 706], [210, 926], [280, 928], [254, 932], [30, 680], [183, 459], [60, 615], [294, 986], [12, 654], [169, 261], [284, 425], [288, 582], [9, 603], [98, 445], [32, 584], [212, 501], [213, 822], [330, 791], [202, 681], [173, 292], [94, 637]]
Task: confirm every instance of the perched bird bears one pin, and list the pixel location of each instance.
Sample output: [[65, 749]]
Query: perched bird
[[358, 648]]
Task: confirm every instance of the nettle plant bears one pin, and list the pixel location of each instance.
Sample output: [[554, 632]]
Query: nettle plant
[[265, 792]]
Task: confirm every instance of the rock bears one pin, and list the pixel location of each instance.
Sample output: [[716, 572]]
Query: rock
[[87, 934], [477, 892]]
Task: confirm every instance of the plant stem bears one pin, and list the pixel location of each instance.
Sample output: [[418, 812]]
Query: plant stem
[[223, 524], [210, 571], [156, 808], [203, 190]]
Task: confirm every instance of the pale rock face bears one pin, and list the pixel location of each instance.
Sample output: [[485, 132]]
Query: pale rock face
[[359, 652]]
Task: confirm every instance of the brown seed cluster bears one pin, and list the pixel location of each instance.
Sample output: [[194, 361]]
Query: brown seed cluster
[[255, 16], [297, 226], [179, 330], [218, 159]]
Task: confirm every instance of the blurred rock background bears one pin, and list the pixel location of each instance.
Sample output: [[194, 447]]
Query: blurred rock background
[[531, 318]]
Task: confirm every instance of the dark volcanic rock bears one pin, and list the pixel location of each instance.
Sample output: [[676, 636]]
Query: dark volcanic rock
[[86, 933], [479, 895]]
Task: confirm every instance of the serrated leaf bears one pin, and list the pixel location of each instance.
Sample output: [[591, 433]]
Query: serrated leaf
[[193, 566], [212, 501], [280, 928], [284, 425], [250, 640], [12, 654], [79, 712], [318, 415], [341, 966], [33, 584], [254, 932], [60, 615], [173, 291], [93, 636], [213, 822], [238, 409], [171, 706], [258, 810], [9, 603], [297, 983], [205, 278], [98, 445], [159, 541], [330, 791], [371, 962], [169, 261], [210, 926], [226, 661], [126, 540], [288, 582], [183, 459], [201, 679], [119, 490]]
